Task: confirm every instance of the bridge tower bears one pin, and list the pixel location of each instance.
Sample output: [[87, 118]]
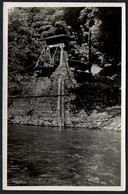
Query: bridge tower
[[55, 57]]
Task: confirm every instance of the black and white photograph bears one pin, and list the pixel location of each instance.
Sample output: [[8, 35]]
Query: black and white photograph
[[64, 96]]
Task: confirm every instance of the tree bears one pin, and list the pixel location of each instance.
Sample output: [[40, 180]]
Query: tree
[[96, 33], [102, 27], [105, 23]]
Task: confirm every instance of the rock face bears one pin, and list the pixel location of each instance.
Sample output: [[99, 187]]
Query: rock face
[[39, 105], [110, 119], [35, 110], [43, 111], [42, 106]]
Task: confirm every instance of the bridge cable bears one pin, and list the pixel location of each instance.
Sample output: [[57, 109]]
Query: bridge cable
[[70, 79]]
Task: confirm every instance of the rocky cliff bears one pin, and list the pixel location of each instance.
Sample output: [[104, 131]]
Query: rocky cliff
[[37, 104], [41, 107]]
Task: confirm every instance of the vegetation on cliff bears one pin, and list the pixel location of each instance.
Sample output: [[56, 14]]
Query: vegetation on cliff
[[97, 41]]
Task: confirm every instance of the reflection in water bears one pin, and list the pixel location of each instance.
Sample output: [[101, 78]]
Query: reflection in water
[[66, 157]]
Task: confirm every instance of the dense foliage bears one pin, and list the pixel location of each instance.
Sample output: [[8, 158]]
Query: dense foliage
[[97, 41]]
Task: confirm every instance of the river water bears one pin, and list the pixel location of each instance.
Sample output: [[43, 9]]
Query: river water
[[62, 157]]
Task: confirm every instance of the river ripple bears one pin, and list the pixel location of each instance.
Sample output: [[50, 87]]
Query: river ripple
[[67, 157]]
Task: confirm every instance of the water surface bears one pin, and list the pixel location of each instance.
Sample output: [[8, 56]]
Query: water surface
[[62, 157]]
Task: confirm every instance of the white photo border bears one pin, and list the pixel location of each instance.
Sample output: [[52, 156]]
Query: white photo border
[[8, 5]]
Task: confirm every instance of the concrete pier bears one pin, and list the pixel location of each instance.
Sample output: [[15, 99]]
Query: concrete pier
[[61, 111]]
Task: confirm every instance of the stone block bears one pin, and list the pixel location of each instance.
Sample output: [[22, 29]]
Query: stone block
[[54, 123], [110, 128], [47, 123], [16, 120], [99, 123], [105, 127], [117, 129], [40, 122], [113, 124]]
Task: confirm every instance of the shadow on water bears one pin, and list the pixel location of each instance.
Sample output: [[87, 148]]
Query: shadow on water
[[70, 156]]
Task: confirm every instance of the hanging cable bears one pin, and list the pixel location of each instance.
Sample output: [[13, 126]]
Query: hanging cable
[[70, 79]]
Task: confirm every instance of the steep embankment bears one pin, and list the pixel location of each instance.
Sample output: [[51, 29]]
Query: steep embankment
[[39, 107], [33, 105]]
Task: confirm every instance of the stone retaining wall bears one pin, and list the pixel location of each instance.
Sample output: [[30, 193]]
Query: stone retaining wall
[[44, 110]]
